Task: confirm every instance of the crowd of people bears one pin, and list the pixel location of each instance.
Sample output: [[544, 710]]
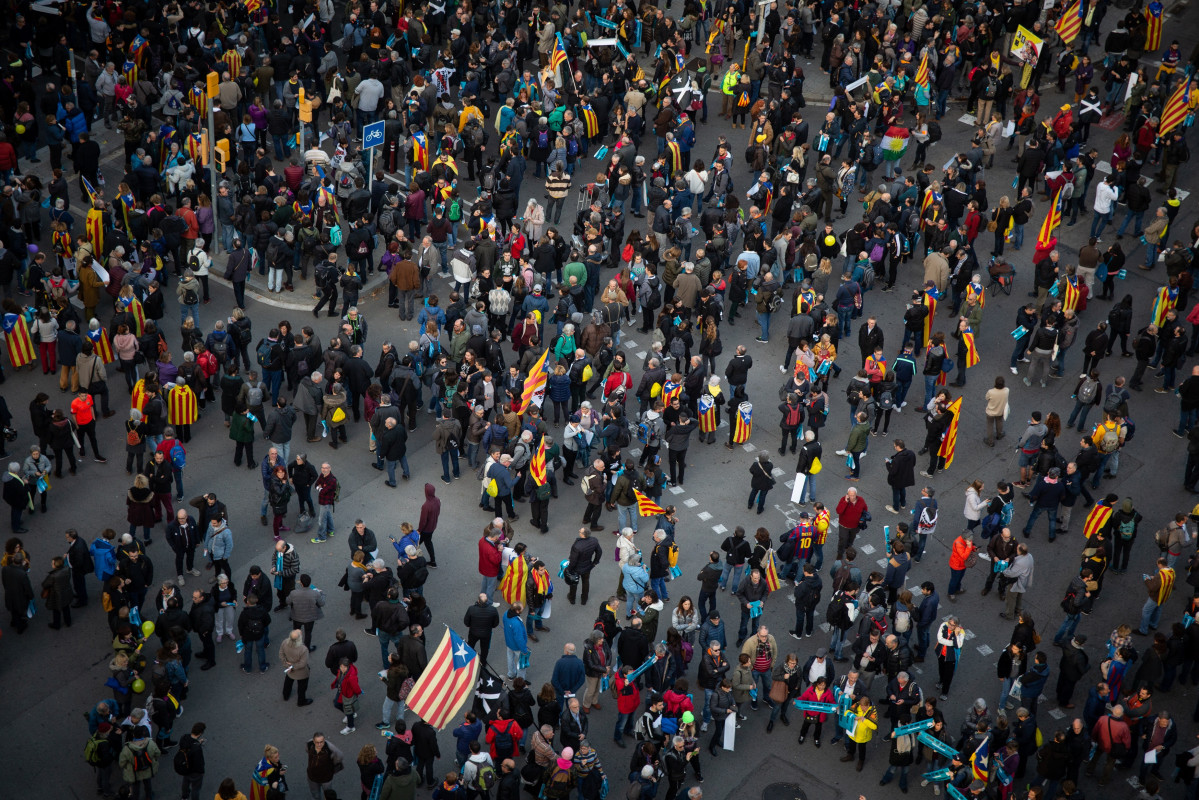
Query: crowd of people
[[518, 314]]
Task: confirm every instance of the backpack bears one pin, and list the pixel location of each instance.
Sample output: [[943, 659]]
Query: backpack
[[190, 298], [263, 353], [992, 524], [91, 749], [220, 347], [1070, 601], [133, 438], [868, 277], [793, 414], [243, 333], [387, 223], [178, 456], [182, 767], [1127, 528], [672, 554], [485, 777], [1110, 442], [543, 138], [836, 613], [1112, 403], [141, 761], [572, 146], [934, 131], [678, 348], [1088, 390], [903, 621], [880, 624], [335, 235], [454, 212], [254, 629], [503, 741]]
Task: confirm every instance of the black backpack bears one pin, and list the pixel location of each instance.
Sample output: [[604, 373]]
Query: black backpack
[[190, 298], [503, 741], [182, 761], [254, 629], [934, 131]]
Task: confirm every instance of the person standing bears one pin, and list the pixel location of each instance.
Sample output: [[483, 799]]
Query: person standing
[[1159, 586], [326, 500], [480, 620], [585, 555], [183, 536], [218, 546], [1019, 577], [305, 608], [81, 563], [56, 590], [324, 761], [950, 638], [139, 761], [203, 621], [191, 749], [901, 474], [294, 656], [1074, 665], [761, 481]]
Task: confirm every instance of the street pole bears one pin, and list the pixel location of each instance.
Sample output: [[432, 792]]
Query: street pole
[[212, 173], [370, 170], [71, 74]]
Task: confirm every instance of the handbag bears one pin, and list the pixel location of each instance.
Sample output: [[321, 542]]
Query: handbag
[[778, 691], [992, 226], [972, 560]]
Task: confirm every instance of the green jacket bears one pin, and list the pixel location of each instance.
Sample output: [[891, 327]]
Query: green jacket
[[731, 78], [577, 269], [241, 429], [556, 119], [857, 437]]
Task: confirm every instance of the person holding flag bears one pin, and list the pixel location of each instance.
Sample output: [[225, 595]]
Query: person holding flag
[[17, 340], [709, 410], [741, 424], [1159, 586], [967, 350]]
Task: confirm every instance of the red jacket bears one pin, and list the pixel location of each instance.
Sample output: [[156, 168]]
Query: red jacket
[[349, 688], [961, 551], [8, 156], [489, 559], [510, 727], [848, 516], [628, 696]]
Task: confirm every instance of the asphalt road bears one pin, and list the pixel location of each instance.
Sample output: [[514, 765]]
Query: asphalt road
[[53, 677]]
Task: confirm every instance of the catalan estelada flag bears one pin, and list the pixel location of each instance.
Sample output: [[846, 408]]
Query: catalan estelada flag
[[512, 585], [671, 390], [447, 682], [950, 443], [590, 122], [1070, 295], [93, 227], [980, 761], [1070, 23], [134, 307], [137, 399], [771, 572], [743, 426], [138, 49], [103, 347], [17, 340], [420, 150], [260, 785], [1097, 517], [647, 507], [197, 98], [1163, 301], [676, 156], [706, 406], [534, 389], [971, 349], [129, 70], [537, 465], [89, 190], [1153, 25], [1053, 218], [558, 54], [1176, 108]]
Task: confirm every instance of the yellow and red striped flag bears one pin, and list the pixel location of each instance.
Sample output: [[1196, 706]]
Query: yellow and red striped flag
[[671, 390], [1070, 23], [922, 70], [950, 443], [1052, 219], [1153, 25], [971, 349], [1070, 295], [558, 54], [17, 340], [930, 302], [770, 572], [743, 423], [537, 465], [1096, 519], [708, 423], [1175, 111], [647, 507], [1163, 301], [93, 227], [534, 389], [512, 585], [103, 347], [447, 682], [137, 399]]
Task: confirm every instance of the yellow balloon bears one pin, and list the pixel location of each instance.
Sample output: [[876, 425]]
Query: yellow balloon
[[20, 128], [830, 240], [138, 686], [147, 628]]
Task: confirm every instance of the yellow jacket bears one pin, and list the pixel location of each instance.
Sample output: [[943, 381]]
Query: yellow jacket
[[866, 724], [731, 79]]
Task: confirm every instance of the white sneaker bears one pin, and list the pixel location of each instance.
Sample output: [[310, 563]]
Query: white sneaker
[[924, 782], [178, 580], [904, 404], [195, 572], [346, 731], [703, 728], [892, 509], [842, 452], [344, 720], [1015, 371]]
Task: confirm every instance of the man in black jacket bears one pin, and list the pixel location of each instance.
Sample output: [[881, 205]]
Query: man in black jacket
[[585, 555], [183, 535], [480, 620], [203, 620], [807, 597]]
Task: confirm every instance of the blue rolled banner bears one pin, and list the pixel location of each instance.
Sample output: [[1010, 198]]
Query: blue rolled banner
[[604, 22], [936, 744], [954, 792], [1053, 290], [1122, 274], [602, 153], [1020, 331], [649, 662], [816, 708], [938, 775], [620, 46], [1002, 776], [915, 727], [887, 540]]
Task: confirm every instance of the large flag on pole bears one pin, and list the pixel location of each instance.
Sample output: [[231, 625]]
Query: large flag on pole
[[647, 507], [534, 388], [950, 442], [89, 190], [1175, 111], [446, 683], [1052, 219], [558, 54], [980, 761], [1070, 23]]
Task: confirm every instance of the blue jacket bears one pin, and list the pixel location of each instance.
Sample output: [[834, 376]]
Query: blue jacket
[[515, 636], [635, 579], [465, 734], [711, 632], [502, 477], [104, 557], [904, 369], [927, 614], [1034, 679], [70, 345], [569, 674], [220, 544]]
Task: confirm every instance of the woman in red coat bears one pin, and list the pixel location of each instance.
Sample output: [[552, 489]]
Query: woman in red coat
[[348, 692], [818, 692]]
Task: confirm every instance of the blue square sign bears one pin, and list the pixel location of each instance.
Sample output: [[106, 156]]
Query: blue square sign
[[372, 135]]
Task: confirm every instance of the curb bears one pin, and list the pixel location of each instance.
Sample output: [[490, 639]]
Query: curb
[[370, 290]]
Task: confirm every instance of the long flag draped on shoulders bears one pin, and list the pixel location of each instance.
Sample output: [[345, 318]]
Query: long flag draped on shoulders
[[17, 340], [950, 443], [1163, 301], [103, 347], [1070, 22], [512, 585], [534, 389], [647, 507], [743, 426], [707, 412], [1070, 294], [1097, 517], [930, 302], [1053, 218], [1153, 25], [971, 346], [447, 682], [537, 468], [771, 572], [259, 786]]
